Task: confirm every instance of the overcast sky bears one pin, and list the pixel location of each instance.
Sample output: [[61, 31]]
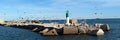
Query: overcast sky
[[56, 9]]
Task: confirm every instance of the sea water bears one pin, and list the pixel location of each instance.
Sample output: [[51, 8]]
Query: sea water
[[9, 33]]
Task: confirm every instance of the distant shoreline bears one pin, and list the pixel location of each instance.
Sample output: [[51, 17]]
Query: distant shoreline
[[65, 19]]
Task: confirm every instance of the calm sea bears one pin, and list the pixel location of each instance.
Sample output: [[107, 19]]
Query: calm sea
[[9, 33]]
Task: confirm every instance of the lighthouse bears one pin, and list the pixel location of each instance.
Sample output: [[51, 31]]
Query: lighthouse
[[67, 18]]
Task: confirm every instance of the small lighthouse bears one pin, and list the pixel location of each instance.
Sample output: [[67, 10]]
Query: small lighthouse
[[67, 18]]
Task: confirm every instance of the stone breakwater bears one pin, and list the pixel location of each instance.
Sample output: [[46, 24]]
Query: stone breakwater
[[58, 29]]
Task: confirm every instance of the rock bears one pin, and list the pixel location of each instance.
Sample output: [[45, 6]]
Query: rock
[[97, 25], [73, 21], [1, 21], [35, 21], [35, 29], [51, 32], [82, 30], [60, 26], [60, 31], [97, 32], [84, 24], [44, 31], [105, 27]]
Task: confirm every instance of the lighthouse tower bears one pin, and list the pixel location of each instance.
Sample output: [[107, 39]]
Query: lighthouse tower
[[67, 18]]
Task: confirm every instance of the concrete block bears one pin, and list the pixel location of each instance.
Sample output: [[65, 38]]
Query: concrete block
[[70, 30]]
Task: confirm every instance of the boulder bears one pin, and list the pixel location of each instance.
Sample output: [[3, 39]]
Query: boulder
[[35, 29], [82, 30], [73, 21], [97, 25], [51, 32], [105, 27], [1, 21], [97, 32], [44, 31]]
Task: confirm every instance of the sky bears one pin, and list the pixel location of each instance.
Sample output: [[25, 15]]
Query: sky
[[56, 9]]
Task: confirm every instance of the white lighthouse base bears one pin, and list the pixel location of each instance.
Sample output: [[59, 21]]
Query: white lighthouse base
[[67, 21]]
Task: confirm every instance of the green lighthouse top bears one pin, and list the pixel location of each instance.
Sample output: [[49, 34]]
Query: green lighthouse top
[[67, 13]]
